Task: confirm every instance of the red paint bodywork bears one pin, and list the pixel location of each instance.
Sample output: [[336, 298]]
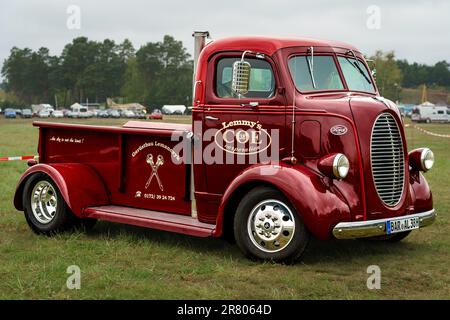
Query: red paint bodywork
[[101, 166]]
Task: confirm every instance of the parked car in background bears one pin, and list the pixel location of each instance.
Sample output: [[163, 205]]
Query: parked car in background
[[95, 112], [82, 113], [44, 114], [85, 113], [58, 114], [72, 114], [103, 114], [128, 114], [114, 113], [140, 115], [18, 112], [27, 113], [156, 115], [10, 113]]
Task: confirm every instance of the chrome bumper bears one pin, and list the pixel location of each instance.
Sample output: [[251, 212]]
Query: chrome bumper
[[373, 228]]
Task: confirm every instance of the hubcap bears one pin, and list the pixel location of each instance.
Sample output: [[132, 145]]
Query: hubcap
[[43, 202], [271, 226]]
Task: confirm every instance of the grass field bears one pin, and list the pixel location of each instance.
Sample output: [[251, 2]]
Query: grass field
[[124, 262]]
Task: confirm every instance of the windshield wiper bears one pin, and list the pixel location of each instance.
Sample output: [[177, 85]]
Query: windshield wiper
[[311, 66], [357, 67]]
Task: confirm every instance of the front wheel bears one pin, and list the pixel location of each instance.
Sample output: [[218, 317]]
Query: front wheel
[[267, 226]]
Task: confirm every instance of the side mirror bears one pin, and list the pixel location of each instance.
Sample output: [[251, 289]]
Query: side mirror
[[241, 76], [374, 73]]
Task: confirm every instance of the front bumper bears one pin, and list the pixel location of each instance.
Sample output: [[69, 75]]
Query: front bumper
[[374, 228]]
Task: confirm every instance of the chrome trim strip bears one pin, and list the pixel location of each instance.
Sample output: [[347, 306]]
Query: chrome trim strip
[[373, 228]]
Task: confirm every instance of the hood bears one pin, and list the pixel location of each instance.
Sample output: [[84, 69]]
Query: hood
[[384, 157], [358, 114]]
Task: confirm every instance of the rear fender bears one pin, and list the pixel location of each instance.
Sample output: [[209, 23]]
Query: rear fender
[[320, 206], [79, 184]]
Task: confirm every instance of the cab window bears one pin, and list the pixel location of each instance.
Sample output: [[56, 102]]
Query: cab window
[[315, 74], [356, 75], [262, 81]]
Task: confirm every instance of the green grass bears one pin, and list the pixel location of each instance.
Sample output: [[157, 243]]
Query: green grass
[[119, 261]]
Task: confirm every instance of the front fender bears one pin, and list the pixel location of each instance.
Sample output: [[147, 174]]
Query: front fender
[[79, 184], [422, 197], [320, 206]]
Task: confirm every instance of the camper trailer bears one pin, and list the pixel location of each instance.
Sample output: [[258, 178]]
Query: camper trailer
[[430, 113]]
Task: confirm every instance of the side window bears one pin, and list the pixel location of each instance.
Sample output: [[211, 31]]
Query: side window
[[440, 112], [262, 81]]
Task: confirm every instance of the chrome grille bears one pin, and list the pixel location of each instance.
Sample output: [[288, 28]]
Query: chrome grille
[[387, 158]]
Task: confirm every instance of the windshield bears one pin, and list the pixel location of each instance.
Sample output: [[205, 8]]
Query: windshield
[[324, 75], [356, 74], [320, 73]]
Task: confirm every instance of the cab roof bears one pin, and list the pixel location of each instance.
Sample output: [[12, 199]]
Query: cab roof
[[270, 45]]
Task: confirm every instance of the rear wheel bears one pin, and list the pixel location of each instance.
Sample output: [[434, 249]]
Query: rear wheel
[[267, 226], [428, 120], [45, 209]]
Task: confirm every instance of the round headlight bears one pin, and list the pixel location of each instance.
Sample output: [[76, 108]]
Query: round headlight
[[426, 159], [341, 166]]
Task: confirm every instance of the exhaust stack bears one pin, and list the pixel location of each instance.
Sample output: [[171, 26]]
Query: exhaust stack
[[199, 43]]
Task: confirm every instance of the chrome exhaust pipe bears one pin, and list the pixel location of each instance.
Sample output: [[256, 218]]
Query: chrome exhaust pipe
[[199, 43]]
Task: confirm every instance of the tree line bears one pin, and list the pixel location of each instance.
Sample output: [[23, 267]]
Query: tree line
[[392, 75], [157, 73]]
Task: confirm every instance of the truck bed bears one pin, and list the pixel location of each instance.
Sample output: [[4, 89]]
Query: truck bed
[[139, 163], [138, 127]]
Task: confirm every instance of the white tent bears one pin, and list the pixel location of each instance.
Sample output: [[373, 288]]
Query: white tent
[[427, 104], [170, 109], [76, 107]]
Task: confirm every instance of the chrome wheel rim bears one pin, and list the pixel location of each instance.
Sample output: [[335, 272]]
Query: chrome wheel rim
[[271, 226], [44, 202]]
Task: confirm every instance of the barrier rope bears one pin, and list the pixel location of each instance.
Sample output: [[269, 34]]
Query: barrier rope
[[432, 133], [18, 158]]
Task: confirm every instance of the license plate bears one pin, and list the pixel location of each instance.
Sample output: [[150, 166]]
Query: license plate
[[402, 224]]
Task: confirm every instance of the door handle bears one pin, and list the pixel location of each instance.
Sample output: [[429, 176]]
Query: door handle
[[211, 118]]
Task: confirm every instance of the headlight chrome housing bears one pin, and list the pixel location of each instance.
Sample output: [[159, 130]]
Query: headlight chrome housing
[[334, 165], [341, 166], [426, 159], [421, 159]]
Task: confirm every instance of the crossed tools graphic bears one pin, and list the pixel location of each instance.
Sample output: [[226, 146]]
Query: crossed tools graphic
[[155, 166]]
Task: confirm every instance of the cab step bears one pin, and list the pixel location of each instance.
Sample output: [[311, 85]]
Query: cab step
[[151, 219]]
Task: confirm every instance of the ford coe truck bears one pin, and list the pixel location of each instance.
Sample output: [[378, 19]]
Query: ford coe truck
[[289, 139]]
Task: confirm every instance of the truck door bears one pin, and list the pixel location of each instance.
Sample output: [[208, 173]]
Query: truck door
[[241, 130]]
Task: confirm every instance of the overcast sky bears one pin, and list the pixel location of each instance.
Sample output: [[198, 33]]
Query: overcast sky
[[416, 30]]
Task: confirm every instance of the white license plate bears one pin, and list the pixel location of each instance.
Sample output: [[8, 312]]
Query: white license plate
[[402, 224]]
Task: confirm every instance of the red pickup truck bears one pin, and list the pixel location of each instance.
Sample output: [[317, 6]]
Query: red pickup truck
[[289, 138]]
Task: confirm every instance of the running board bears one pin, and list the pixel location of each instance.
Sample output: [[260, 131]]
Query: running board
[[152, 219]]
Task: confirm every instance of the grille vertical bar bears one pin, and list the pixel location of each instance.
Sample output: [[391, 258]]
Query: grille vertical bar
[[387, 159]]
